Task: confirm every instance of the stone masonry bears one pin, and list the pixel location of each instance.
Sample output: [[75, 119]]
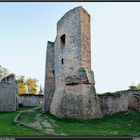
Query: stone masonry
[[49, 76], [30, 100], [8, 91], [69, 80], [119, 101]]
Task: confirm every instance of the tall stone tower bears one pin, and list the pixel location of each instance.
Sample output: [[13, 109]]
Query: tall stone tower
[[69, 80]]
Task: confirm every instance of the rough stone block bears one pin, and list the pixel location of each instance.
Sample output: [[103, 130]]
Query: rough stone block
[[83, 76]]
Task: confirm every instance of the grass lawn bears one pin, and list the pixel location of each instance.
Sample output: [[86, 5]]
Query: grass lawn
[[8, 128], [120, 124], [24, 108], [29, 117]]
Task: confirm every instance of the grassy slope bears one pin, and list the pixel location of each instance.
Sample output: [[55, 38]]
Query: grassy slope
[[8, 128], [28, 117], [121, 124]]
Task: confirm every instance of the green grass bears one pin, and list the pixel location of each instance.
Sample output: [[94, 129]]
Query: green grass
[[8, 128], [24, 108], [120, 124], [29, 117]]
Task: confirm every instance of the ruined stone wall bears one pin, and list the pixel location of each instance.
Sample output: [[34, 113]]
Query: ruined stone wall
[[49, 76], [132, 92], [31, 100], [111, 103], [8, 91], [70, 91]]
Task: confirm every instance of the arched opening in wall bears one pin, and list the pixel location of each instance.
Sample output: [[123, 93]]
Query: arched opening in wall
[[62, 41], [134, 102]]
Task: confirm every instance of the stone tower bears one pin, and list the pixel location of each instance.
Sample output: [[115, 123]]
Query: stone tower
[[69, 80]]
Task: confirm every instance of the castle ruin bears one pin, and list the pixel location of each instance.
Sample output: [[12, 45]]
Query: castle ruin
[[69, 81]]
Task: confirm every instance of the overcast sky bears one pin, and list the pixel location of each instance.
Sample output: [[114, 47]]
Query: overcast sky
[[25, 29]]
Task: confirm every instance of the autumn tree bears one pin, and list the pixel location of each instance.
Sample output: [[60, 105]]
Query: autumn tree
[[3, 72], [31, 86], [21, 85]]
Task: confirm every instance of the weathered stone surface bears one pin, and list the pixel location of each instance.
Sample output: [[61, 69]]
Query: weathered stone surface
[[30, 100], [133, 102], [78, 101], [70, 92], [8, 91], [83, 76], [49, 76], [74, 94], [120, 101], [90, 76], [113, 104], [46, 124], [35, 125]]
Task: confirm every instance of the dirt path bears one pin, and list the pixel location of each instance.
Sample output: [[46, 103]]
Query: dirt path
[[40, 123]]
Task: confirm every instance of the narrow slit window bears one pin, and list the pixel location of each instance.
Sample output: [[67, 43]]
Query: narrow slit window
[[62, 40], [53, 71], [62, 61]]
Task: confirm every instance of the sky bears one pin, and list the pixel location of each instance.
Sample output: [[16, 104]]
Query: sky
[[25, 29]]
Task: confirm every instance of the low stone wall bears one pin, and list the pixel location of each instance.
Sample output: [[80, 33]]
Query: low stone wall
[[8, 91], [30, 100], [111, 103]]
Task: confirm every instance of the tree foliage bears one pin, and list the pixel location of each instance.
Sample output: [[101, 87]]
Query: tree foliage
[[138, 86], [134, 87], [21, 85], [3, 72], [31, 86], [27, 86]]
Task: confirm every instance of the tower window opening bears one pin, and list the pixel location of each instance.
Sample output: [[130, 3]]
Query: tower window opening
[[62, 61], [53, 71], [62, 39]]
